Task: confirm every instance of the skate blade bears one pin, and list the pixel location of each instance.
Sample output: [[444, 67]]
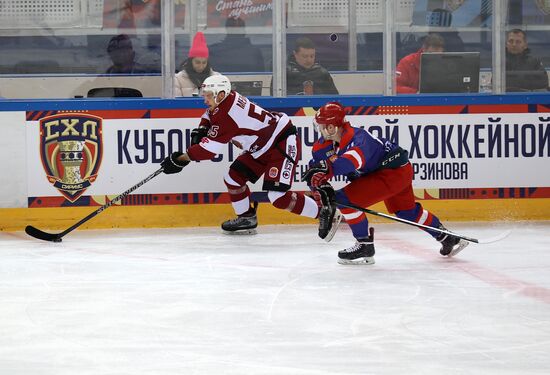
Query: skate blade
[[242, 232], [335, 223], [359, 261], [461, 245]]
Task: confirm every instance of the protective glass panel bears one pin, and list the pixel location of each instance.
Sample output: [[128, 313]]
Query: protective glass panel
[[446, 48], [237, 43], [317, 47], [526, 39], [74, 48], [370, 41]]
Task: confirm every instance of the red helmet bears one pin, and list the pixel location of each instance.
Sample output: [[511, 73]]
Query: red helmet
[[331, 113]]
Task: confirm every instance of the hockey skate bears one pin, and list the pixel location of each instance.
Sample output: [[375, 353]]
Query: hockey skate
[[329, 216], [242, 224], [450, 245], [360, 253]]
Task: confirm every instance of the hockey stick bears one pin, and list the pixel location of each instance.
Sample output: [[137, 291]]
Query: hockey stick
[[366, 210], [56, 237]]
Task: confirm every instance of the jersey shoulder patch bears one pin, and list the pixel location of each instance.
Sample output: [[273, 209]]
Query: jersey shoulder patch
[[323, 150]]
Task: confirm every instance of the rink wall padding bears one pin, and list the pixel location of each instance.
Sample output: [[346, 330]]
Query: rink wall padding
[[212, 215], [475, 157]]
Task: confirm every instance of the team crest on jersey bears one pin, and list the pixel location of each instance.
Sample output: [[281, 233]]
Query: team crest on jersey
[[287, 167], [273, 172], [544, 6], [71, 149]]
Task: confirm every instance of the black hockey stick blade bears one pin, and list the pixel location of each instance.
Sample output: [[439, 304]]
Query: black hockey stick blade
[[395, 218], [41, 235], [56, 237]]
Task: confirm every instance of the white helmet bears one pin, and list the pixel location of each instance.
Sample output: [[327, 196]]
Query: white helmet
[[216, 84]]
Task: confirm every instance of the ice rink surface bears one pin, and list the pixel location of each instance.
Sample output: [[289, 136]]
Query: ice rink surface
[[195, 301]]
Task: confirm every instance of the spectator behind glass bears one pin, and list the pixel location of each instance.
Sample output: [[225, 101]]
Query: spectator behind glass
[[408, 69], [303, 75], [236, 53], [194, 70], [440, 18], [122, 54], [523, 71]]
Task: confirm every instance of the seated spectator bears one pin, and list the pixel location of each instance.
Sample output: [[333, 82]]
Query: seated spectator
[[122, 54], [408, 69], [303, 75], [523, 71], [236, 53], [194, 70]]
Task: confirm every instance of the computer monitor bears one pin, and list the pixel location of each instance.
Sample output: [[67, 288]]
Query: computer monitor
[[248, 88], [114, 92], [449, 72]]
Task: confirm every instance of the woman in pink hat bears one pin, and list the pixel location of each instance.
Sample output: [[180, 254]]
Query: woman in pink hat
[[194, 70]]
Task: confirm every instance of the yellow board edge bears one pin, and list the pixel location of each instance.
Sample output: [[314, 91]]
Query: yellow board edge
[[212, 215]]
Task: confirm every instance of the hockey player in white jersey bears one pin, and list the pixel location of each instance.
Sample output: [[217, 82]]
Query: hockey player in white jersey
[[271, 148]]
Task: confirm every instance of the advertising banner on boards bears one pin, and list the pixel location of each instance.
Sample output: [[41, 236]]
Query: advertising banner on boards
[[74, 157]]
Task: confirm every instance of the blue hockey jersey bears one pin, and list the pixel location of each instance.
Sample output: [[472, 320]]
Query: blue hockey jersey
[[358, 152]]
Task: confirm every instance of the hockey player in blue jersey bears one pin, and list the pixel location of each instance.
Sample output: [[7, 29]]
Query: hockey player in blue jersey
[[377, 171]]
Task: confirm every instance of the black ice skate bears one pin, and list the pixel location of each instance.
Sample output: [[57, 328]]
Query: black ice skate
[[329, 216], [242, 224], [450, 245], [360, 253]]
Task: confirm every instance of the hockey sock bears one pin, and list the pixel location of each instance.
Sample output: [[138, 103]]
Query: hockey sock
[[239, 193], [421, 216], [295, 202], [357, 222]]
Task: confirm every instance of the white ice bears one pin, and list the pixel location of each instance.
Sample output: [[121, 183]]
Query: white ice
[[195, 301]]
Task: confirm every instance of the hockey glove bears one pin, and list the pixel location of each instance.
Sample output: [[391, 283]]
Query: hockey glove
[[198, 134], [172, 165], [318, 174]]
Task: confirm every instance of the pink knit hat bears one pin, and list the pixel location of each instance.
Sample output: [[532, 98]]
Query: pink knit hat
[[199, 47]]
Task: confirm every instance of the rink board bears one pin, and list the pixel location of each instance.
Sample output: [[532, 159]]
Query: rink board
[[212, 215], [473, 157]]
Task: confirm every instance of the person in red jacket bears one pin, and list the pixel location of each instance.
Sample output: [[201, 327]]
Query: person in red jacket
[[408, 69]]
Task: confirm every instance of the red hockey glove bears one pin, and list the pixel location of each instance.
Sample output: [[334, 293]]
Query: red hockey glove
[[318, 174], [319, 179]]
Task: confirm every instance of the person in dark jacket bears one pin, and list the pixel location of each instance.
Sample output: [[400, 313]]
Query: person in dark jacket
[[304, 76], [236, 53], [123, 56], [523, 71]]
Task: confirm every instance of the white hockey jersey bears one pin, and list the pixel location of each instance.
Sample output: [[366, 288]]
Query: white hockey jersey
[[239, 120]]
